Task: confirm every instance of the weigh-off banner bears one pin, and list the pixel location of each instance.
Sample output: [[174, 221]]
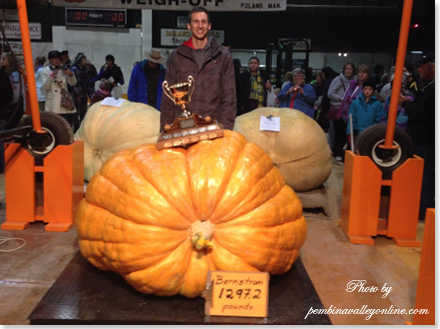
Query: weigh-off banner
[[210, 5]]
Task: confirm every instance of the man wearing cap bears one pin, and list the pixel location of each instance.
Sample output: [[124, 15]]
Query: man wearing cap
[[421, 128], [146, 80], [212, 68]]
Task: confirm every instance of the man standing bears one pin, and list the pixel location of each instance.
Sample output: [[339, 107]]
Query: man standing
[[146, 80], [421, 128], [83, 89], [252, 88], [113, 73], [212, 68], [110, 71]]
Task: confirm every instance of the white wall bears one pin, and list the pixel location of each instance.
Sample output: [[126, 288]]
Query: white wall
[[127, 45]]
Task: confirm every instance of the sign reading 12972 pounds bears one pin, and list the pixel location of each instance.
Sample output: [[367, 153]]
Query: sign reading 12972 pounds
[[96, 17], [237, 293]]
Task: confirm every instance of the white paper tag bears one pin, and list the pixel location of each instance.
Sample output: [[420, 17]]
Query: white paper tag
[[270, 123], [110, 101]]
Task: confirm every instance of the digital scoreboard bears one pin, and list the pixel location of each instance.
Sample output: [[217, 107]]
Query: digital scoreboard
[[96, 17]]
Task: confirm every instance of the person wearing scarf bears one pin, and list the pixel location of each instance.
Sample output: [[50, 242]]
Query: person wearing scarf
[[252, 88]]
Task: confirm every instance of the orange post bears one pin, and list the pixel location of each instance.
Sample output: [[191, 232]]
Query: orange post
[[28, 61], [397, 83], [425, 296]]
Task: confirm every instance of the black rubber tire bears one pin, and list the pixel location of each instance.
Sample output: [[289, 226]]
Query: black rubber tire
[[368, 142], [59, 132]]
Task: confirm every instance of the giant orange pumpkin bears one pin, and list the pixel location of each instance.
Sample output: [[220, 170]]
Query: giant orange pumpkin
[[163, 218]]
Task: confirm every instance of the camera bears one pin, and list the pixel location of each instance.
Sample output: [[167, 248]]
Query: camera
[[295, 89]]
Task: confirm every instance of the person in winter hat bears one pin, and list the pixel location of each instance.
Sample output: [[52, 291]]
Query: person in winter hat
[[84, 71], [365, 111]]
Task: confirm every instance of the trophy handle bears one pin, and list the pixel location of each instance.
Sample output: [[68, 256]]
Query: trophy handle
[[191, 83], [167, 91]]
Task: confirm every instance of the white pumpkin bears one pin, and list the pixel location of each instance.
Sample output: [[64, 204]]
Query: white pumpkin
[[299, 149], [106, 130]]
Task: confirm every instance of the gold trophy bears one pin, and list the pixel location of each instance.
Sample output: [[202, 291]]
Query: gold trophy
[[180, 93], [188, 128]]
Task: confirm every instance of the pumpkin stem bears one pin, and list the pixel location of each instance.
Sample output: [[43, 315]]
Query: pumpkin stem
[[97, 153], [201, 233]]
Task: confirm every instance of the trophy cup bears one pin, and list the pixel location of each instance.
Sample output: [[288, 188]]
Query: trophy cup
[[180, 93], [189, 128]]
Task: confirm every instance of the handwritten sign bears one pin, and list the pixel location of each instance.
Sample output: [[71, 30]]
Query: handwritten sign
[[270, 123], [237, 293]]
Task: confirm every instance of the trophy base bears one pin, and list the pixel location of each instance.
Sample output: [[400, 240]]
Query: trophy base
[[189, 130]]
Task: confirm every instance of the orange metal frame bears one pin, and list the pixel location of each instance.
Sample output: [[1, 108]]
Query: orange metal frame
[[62, 173], [62, 187], [361, 201], [363, 185]]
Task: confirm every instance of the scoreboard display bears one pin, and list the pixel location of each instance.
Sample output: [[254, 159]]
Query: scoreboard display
[[96, 17]]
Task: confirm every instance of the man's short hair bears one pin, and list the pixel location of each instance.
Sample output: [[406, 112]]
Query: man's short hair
[[254, 57], [199, 10]]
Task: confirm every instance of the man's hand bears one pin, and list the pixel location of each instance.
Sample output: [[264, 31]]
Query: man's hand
[[403, 98], [67, 72]]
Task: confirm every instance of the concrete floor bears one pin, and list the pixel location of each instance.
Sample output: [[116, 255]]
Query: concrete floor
[[331, 262]]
